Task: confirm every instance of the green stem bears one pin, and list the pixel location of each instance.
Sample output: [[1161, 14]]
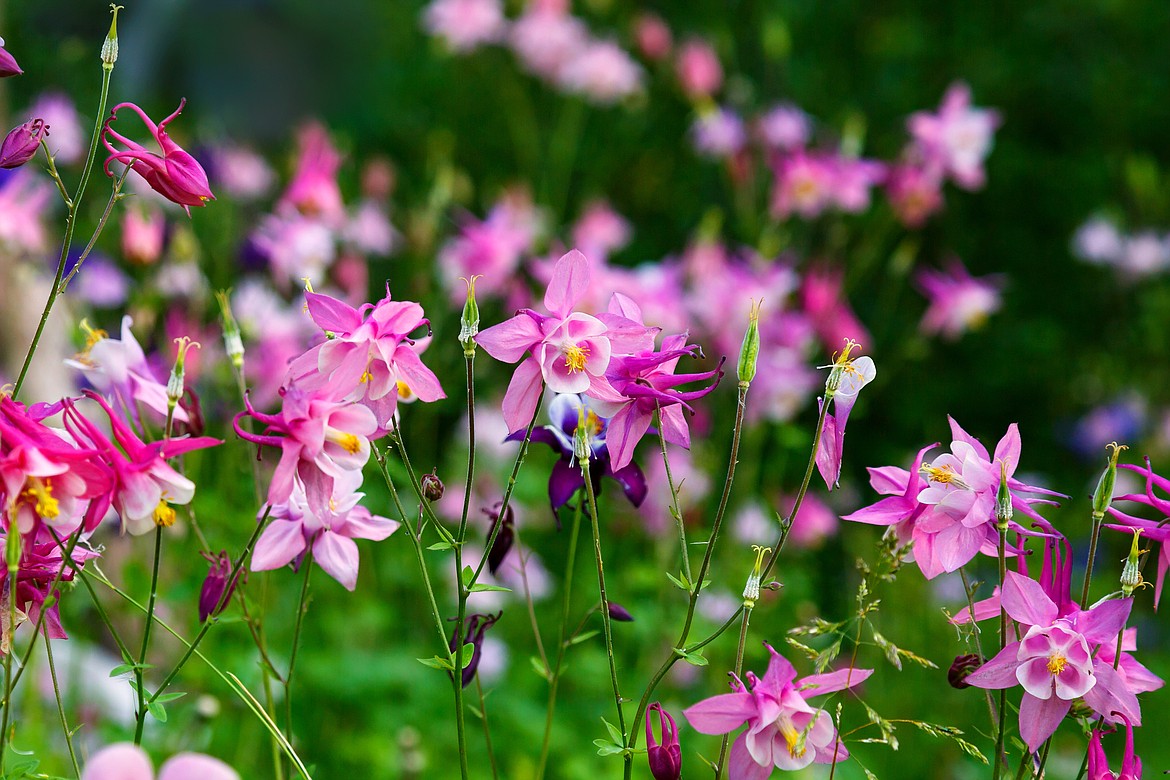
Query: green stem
[[60, 705], [12, 572], [140, 688], [605, 618], [302, 608], [487, 732], [1092, 556], [675, 509], [67, 242], [969, 591], [1000, 758], [570, 566], [115, 196], [469, 360], [743, 630]]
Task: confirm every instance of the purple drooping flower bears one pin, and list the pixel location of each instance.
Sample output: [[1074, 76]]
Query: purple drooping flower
[[21, 144], [665, 757]]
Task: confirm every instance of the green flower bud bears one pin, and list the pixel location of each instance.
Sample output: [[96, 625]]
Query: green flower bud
[[1131, 575], [469, 322], [1103, 495], [751, 591], [1003, 500], [233, 344], [110, 44], [749, 353]]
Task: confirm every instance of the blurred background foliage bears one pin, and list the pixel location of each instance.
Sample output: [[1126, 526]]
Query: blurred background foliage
[[1082, 92]]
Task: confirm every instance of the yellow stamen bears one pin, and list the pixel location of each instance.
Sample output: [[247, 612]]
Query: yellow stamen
[[575, 358], [349, 443], [92, 336], [1115, 451], [164, 515], [794, 739], [42, 493], [1056, 663], [404, 391], [943, 476], [593, 422]]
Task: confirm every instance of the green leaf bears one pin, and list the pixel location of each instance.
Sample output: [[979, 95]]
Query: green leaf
[[165, 697], [121, 669], [468, 573], [539, 667], [695, 659], [157, 709], [480, 587], [437, 663], [439, 546], [615, 735], [680, 581], [468, 654], [607, 748], [583, 637]]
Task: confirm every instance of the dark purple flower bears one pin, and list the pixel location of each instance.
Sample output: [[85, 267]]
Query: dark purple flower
[[504, 537], [217, 589], [566, 412], [619, 613], [962, 666], [665, 758], [21, 144], [8, 66], [476, 626]]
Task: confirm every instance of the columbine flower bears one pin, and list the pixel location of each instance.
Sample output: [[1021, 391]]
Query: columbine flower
[[1154, 530], [915, 193], [567, 412], [465, 24], [803, 184], [602, 72], [125, 761], [8, 66], [568, 350], [958, 138], [70, 139], [1131, 765], [959, 302], [328, 526], [666, 757], [1055, 661], [719, 133], [369, 359], [846, 378], [476, 626], [174, 174], [218, 586], [698, 67], [313, 190], [785, 127], [784, 730], [21, 144]]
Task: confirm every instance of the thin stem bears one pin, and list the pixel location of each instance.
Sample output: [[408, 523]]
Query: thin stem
[[60, 704], [470, 363], [270, 706], [969, 591], [54, 175], [605, 618], [67, 242], [12, 572], [743, 630], [848, 684], [1092, 556], [138, 668], [302, 608], [68, 552], [675, 509], [528, 600], [487, 732], [1043, 758], [115, 196], [1001, 729], [554, 680]]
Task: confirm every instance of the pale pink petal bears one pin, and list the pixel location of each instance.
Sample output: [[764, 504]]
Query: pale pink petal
[[625, 430], [999, 672], [118, 762], [509, 340], [420, 379], [196, 766], [1008, 449], [522, 396], [816, 684], [1039, 718], [1026, 601], [280, 542], [741, 766], [338, 556], [675, 430], [569, 283]]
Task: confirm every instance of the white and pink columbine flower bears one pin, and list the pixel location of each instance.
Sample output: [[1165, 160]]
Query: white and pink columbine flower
[[958, 301], [958, 138]]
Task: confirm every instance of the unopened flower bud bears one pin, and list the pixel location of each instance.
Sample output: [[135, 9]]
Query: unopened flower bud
[[21, 144], [751, 591], [233, 344], [469, 321], [504, 537], [110, 44], [432, 487], [13, 550], [1003, 500], [961, 668], [8, 66], [476, 626], [1131, 574], [619, 613], [749, 353], [665, 757], [1103, 495], [217, 587], [178, 371], [581, 444]]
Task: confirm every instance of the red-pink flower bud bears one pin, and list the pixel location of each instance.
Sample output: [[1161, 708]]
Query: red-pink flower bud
[[8, 66], [21, 144], [217, 590], [665, 758]]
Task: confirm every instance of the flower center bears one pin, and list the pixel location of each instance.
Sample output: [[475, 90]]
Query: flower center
[[944, 475], [575, 358], [164, 515], [793, 738], [404, 391], [1056, 663], [41, 492]]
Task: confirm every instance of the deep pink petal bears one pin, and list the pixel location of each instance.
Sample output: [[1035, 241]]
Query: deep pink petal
[[1008, 449], [999, 672], [420, 379], [816, 684], [721, 714], [509, 340], [1039, 718], [1110, 695], [332, 314], [569, 283], [523, 395], [625, 430], [1104, 622], [1026, 601]]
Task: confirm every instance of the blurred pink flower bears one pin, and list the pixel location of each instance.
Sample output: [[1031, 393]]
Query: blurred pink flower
[[546, 37], [69, 140], [958, 138], [958, 301], [652, 36], [143, 232], [914, 192], [24, 199], [490, 249], [296, 246], [698, 68], [785, 127], [125, 761], [241, 172], [719, 133], [803, 185], [314, 190], [464, 25], [1098, 241], [602, 72], [600, 231], [827, 308]]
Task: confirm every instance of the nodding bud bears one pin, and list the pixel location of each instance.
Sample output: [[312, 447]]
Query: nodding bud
[[749, 353], [476, 626], [1003, 499], [432, 487], [110, 44], [179, 371], [8, 66], [1131, 574], [218, 586], [1103, 495], [21, 144], [619, 613], [504, 537], [469, 321], [961, 668], [13, 550], [665, 757], [233, 344], [751, 591]]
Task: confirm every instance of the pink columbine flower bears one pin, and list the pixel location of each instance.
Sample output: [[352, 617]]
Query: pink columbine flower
[[784, 730], [125, 761], [328, 527], [846, 378], [822, 295], [313, 190], [70, 140], [852, 180], [1158, 531], [914, 192], [24, 201], [21, 144], [144, 231], [241, 172], [174, 174], [958, 138], [465, 24], [653, 36], [666, 757], [41, 562], [803, 185], [8, 66], [600, 231], [370, 358], [145, 485], [567, 351], [601, 71], [490, 249], [785, 127], [698, 68], [1055, 661], [546, 37], [1131, 765], [958, 301], [320, 440]]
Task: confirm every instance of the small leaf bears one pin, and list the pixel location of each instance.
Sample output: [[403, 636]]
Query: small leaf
[[439, 546], [468, 654], [480, 587], [121, 669], [583, 637], [156, 709], [437, 663], [539, 667], [695, 659], [607, 748], [165, 697], [615, 735], [680, 582], [468, 573]]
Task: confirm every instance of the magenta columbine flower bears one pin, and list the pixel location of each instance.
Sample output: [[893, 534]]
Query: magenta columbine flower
[[784, 730], [1056, 660], [958, 138], [665, 757], [21, 144], [8, 66], [567, 351], [959, 302], [174, 173], [125, 761], [1131, 765], [464, 25]]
